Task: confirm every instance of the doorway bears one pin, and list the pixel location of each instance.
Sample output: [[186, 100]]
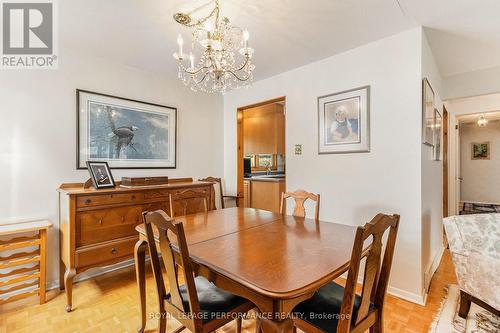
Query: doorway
[[477, 163], [261, 167]]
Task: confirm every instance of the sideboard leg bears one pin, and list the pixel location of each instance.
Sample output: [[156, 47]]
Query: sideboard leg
[[140, 271], [62, 269], [68, 283]]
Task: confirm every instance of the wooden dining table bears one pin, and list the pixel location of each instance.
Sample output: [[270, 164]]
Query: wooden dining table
[[275, 261]]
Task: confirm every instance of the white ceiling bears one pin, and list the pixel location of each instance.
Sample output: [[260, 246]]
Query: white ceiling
[[464, 34], [472, 118]]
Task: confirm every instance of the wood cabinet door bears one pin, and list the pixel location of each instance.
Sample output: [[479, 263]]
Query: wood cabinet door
[[259, 130], [246, 193]]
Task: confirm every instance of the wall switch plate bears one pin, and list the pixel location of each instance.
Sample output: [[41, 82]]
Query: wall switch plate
[[298, 149]]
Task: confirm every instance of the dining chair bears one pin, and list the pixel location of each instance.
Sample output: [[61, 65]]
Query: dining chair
[[218, 187], [197, 304], [300, 197], [188, 202], [337, 309]]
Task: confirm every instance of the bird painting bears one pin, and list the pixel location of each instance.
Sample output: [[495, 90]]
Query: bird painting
[[121, 137]]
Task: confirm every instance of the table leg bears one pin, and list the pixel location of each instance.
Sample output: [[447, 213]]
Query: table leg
[[274, 326], [140, 272], [68, 284]]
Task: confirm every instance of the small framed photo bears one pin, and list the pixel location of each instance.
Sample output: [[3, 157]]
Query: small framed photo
[[428, 115], [100, 174], [480, 151], [344, 122], [438, 131]]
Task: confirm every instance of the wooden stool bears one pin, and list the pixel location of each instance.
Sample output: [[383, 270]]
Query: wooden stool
[[13, 261]]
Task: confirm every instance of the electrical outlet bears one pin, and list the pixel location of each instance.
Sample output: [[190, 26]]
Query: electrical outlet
[[298, 149]]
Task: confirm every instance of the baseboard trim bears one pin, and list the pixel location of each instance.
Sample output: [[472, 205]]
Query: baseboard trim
[[407, 296], [399, 293]]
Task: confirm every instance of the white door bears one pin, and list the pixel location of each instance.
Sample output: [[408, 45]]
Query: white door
[[459, 179]]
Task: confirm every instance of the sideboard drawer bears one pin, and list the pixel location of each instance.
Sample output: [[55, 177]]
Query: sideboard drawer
[[101, 225], [161, 193], [108, 199], [90, 256]]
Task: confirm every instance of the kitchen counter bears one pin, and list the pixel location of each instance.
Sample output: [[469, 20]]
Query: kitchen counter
[[264, 179]]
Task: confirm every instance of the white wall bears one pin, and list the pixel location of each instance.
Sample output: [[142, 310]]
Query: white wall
[[481, 178], [432, 179], [456, 108], [475, 83], [38, 118], [354, 187]]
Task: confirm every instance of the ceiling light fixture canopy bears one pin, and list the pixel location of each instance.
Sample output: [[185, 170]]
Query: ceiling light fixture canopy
[[482, 121], [226, 58]]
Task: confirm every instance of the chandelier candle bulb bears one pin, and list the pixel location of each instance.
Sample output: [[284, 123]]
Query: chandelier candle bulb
[[191, 58], [180, 41], [246, 37]]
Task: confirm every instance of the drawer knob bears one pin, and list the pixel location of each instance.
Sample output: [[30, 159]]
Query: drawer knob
[[88, 202], [114, 251], [133, 197], [100, 221]]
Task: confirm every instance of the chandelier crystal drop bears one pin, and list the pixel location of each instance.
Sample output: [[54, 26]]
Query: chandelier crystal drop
[[225, 58]]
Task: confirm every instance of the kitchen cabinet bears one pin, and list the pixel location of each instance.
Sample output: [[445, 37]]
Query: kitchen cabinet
[[264, 130], [266, 194]]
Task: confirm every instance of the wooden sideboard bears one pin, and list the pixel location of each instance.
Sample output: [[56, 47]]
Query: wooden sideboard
[[97, 227]]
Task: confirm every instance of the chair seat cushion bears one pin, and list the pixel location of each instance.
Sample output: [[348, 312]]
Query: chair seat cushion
[[214, 302], [322, 310]]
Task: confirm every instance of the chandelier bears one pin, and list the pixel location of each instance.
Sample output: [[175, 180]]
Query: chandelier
[[225, 59], [482, 121]]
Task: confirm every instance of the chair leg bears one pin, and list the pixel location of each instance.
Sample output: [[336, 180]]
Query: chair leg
[[294, 329], [162, 323], [465, 303], [378, 327], [238, 325], [258, 324]]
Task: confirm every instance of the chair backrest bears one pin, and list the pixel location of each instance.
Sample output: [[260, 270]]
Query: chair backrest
[[300, 197], [376, 274], [188, 202], [216, 188], [167, 227]]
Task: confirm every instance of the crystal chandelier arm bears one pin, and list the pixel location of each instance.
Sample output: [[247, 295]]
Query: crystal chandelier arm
[[238, 78], [247, 60], [202, 79], [192, 72]]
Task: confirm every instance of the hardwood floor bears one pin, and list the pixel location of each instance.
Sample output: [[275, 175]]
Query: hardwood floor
[[109, 304]]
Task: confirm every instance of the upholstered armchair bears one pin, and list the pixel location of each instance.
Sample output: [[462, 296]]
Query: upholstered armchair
[[474, 242]]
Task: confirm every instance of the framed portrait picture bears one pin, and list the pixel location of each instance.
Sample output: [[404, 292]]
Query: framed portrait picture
[[427, 113], [344, 122], [100, 174], [128, 134], [480, 151], [438, 130]]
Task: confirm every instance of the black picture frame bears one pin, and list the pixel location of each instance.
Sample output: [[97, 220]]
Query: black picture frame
[[98, 181], [80, 162]]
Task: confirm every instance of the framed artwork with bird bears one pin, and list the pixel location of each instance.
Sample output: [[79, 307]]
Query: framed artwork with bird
[[125, 133]]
